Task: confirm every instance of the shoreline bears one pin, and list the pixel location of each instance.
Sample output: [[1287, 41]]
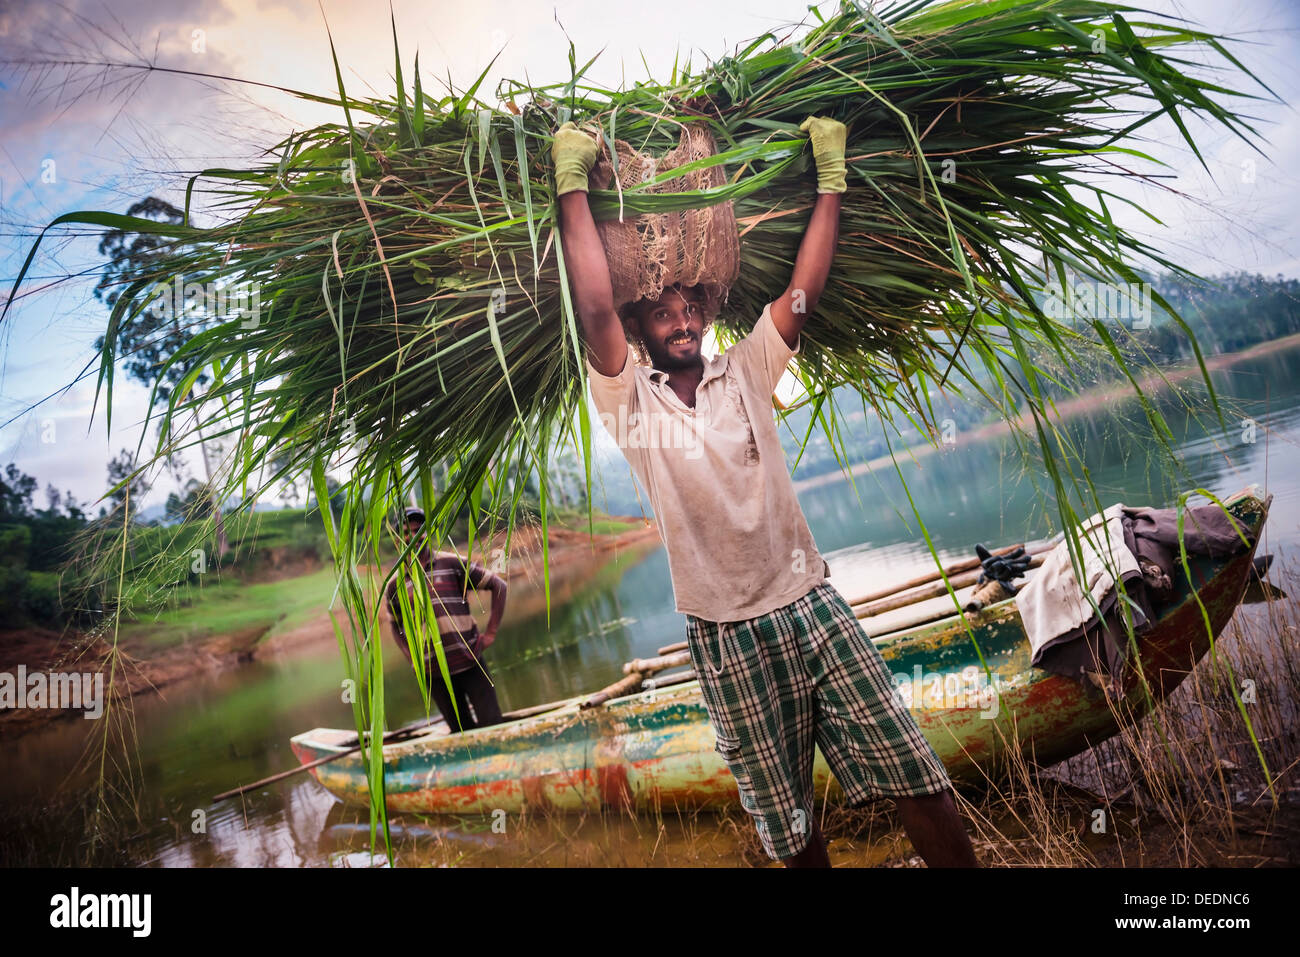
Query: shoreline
[[573, 558], [1087, 402]]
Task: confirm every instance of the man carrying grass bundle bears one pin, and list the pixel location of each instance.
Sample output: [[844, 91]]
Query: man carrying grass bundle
[[781, 660]]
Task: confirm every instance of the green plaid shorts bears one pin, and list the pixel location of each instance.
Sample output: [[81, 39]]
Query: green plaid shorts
[[803, 674]]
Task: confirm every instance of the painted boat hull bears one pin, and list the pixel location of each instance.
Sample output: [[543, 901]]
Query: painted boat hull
[[656, 750]]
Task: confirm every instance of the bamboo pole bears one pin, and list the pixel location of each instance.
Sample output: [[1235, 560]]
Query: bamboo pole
[[669, 680], [618, 689], [926, 592], [890, 591], [633, 683], [635, 671], [662, 663], [906, 626], [966, 564], [285, 774], [538, 709], [927, 619]]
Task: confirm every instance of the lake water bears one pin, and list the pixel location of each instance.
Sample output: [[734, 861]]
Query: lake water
[[208, 735]]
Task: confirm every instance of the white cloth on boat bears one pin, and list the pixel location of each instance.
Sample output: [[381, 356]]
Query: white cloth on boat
[[1054, 603]]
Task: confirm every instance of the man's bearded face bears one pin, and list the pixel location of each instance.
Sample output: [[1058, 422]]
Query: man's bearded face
[[671, 328]]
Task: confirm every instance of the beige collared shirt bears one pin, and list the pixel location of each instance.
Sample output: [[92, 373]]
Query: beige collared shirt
[[738, 543]]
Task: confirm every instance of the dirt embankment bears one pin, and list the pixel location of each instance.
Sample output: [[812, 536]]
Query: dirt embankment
[[573, 557], [125, 674]]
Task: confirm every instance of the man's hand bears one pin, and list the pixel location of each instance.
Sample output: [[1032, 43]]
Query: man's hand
[[828, 143], [812, 265], [573, 153], [498, 586]]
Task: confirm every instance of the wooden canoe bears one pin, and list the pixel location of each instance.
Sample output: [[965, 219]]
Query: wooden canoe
[[655, 749]]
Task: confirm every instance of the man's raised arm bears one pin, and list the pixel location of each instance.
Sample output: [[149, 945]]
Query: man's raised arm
[[574, 153], [812, 266]]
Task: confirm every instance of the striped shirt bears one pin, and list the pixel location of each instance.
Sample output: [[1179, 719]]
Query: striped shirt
[[449, 580]]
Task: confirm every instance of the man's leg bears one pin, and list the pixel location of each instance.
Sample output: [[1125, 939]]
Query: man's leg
[[477, 683], [460, 682], [873, 744], [759, 704], [931, 823], [441, 697], [936, 830], [814, 855]]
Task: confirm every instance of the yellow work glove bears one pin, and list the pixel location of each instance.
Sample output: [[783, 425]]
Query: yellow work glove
[[574, 153], [828, 138]]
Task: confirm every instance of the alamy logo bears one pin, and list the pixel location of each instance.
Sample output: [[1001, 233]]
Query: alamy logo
[[1088, 300], [53, 690], [223, 300], [102, 910], [652, 430], [949, 690]]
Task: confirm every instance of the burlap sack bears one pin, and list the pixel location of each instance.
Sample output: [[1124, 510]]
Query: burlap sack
[[651, 251]]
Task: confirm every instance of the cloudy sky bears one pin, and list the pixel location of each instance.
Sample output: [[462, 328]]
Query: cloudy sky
[[75, 135]]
